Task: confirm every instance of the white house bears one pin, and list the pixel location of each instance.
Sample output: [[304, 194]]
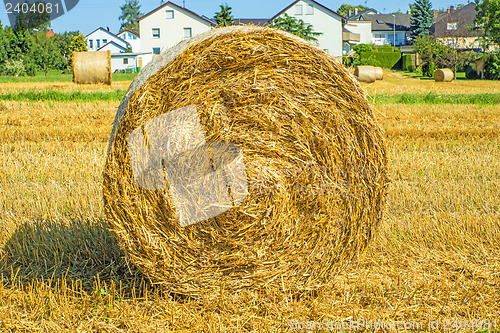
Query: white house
[[98, 38], [356, 32], [132, 38], [391, 29], [169, 24], [326, 21]]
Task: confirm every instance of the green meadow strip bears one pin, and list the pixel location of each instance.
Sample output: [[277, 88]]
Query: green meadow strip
[[64, 96], [431, 98]]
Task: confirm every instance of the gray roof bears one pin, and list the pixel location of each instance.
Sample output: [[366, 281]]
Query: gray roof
[[259, 22], [384, 22]]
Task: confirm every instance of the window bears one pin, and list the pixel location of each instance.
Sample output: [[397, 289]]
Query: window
[[298, 10], [125, 61], [104, 41], [169, 14], [98, 43], [309, 10], [380, 22], [156, 50], [91, 44], [156, 33], [187, 33], [379, 36], [451, 26]]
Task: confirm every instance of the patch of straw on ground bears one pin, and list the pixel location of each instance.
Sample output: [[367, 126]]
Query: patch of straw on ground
[[436, 257]]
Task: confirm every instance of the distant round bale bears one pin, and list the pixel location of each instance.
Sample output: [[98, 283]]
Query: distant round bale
[[443, 75], [244, 158], [379, 73], [365, 74], [92, 67]]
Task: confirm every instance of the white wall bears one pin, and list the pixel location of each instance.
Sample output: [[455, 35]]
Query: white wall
[[117, 62], [171, 30], [328, 24], [363, 28], [101, 35], [133, 40]]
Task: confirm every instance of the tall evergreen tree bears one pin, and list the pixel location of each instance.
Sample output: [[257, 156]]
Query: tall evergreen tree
[[421, 19], [131, 11], [224, 17]]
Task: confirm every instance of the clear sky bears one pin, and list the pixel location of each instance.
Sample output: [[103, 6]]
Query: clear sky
[[91, 14]]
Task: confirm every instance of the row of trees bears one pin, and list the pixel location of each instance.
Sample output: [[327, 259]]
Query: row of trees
[[28, 50]]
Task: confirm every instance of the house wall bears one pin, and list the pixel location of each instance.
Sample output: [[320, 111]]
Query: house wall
[[111, 47], [380, 38], [133, 40], [101, 35], [363, 28], [328, 24], [117, 62], [171, 30]]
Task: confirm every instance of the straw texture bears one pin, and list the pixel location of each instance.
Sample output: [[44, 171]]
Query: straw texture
[[300, 131], [92, 67], [379, 73], [365, 74], [443, 75]]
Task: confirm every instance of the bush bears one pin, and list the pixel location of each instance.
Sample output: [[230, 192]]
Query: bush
[[14, 67], [385, 59], [411, 68], [407, 62], [492, 66], [428, 68], [362, 48], [470, 73]]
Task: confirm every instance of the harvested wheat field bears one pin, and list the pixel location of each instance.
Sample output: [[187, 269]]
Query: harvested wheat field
[[434, 264]]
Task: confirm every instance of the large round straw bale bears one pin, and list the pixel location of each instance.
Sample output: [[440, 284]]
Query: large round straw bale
[[365, 74], [244, 158], [443, 75], [92, 67], [379, 73]]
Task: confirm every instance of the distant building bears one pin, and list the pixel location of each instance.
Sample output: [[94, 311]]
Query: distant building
[[324, 20], [132, 38], [97, 39], [455, 28], [386, 28], [169, 24]]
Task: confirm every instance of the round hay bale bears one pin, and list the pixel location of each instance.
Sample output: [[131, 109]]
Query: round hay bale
[[443, 75], [379, 73], [365, 74], [244, 158], [92, 67]]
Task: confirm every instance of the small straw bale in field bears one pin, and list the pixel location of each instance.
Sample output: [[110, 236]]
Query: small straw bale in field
[[379, 73], [92, 67], [244, 158], [365, 74], [443, 75]]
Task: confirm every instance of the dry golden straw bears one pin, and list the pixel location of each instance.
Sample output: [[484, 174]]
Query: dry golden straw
[[365, 74], [92, 67], [443, 75], [379, 73], [314, 165]]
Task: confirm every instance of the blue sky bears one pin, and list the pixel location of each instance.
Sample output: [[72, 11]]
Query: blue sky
[[91, 14]]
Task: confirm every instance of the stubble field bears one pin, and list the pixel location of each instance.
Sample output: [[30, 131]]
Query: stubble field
[[435, 263]]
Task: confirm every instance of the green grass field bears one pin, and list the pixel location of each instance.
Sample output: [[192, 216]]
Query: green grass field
[[57, 76]]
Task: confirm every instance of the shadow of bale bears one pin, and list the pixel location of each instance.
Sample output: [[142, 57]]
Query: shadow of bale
[[77, 250]]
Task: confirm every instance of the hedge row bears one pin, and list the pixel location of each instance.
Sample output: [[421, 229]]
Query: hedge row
[[385, 59]]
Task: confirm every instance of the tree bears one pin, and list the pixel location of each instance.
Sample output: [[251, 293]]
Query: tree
[[47, 52], [421, 18], [488, 18], [344, 9], [78, 44], [296, 27], [131, 11], [224, 17], [32, 20]]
